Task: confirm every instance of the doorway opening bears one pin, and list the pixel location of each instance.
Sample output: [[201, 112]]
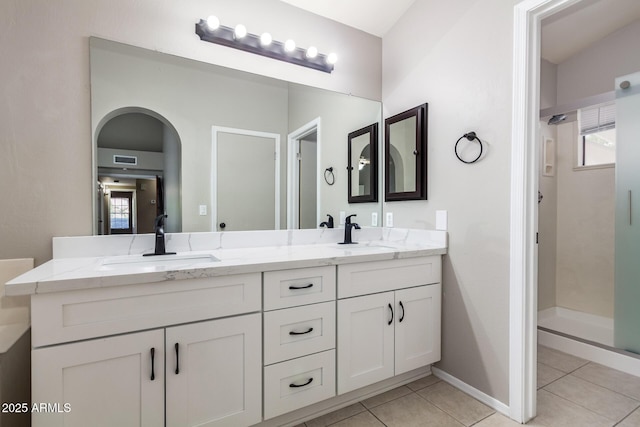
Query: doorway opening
[[138, 151], [303, 186]]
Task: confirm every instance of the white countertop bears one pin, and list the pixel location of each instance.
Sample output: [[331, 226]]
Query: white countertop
[[108, 259]]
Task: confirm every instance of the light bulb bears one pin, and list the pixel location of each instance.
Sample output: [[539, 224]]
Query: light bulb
[[289, 46], [213, 23], [265, 39], [332, 58], [312, 52], [240, 31]]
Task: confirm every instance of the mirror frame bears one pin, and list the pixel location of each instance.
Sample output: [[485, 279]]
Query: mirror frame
[[420, 193], [372, 130]]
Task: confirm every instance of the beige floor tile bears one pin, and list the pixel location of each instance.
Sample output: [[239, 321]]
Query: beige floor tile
[[363, 419], [632, 420], [454, 402], [423, 382], [600, 400], [547, 374], [554, 411], [621, 382], [386, 397], [497, 420], [335, 416], [560, 361], [413, 411]]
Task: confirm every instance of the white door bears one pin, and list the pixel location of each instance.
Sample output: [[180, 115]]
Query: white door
[[365, 340], [246, 180], [417, 327], [106, 382], [214, 375]]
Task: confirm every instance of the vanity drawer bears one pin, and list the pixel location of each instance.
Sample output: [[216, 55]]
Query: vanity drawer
[[381, 276], [289, 288], [299, 382], [59, 317], [298, 331]]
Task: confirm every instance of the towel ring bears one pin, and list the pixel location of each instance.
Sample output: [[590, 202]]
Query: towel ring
[[329, 177], [471, 136]]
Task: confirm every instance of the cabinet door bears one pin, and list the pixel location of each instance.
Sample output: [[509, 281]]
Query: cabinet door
[[365, 340], [417, 329], [105, 382], [214, 376]]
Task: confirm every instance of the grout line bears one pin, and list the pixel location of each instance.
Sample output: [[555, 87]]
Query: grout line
[[374, 416]]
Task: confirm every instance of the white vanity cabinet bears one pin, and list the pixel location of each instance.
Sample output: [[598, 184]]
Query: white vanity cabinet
[[213, 377], [299, 338], [388, 319], [104, 382]]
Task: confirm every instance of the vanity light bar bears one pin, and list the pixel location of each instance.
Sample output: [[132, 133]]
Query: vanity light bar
[[226, 36]]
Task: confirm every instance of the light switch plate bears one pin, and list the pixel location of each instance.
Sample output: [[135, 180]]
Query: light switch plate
[[441, 220], [389, 219], [343, 217], [203, 210], [374, 219]]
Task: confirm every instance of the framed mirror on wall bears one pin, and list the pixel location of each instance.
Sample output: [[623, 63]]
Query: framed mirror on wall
[[405, 149], [363, 165]]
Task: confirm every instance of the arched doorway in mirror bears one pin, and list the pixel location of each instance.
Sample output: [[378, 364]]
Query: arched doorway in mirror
[[138, 170]]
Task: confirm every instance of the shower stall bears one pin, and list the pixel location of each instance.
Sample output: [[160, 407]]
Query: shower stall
[[589, 224]]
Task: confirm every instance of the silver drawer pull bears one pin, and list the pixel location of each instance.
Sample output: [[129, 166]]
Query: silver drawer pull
[[292, 385], [301, 333], [292, 287]]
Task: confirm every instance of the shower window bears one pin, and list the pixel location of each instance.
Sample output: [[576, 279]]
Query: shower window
[[597, 141]]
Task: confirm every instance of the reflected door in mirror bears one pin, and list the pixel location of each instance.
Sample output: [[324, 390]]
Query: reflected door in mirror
[[363, 165], [406, 155], [246, 180]]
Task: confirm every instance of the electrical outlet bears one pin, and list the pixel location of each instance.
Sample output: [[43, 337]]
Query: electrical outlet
[[389, 219], [343, 217], [374, 219], [203, 210]]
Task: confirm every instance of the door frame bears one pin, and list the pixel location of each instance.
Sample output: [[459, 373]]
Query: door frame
[[293, 171], [215, 130], [523, 259]]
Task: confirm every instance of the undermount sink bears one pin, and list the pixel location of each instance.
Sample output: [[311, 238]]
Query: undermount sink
[[156, 261]]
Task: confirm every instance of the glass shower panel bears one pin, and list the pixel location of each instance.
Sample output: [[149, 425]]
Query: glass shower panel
[[627, 247]]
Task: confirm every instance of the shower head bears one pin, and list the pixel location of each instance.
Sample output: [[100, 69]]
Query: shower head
[[554, 120]]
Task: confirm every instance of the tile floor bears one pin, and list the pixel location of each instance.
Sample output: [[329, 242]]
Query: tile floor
[[571, 392]]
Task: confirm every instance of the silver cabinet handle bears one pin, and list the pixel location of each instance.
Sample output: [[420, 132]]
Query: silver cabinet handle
[[630, 211]]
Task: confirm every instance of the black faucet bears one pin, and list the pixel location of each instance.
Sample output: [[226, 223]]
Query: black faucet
[[348, 226], [328, 224], [159, 230]]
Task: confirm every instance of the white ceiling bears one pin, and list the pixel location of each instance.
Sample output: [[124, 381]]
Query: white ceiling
[[563, 35], [568, 32], [372, 16]]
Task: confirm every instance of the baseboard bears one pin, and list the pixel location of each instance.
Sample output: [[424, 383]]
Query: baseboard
[[472, 391]]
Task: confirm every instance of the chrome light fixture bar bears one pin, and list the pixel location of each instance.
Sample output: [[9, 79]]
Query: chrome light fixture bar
[[287, 51]]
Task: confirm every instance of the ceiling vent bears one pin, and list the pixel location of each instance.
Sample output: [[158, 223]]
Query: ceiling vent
[[119, 159]]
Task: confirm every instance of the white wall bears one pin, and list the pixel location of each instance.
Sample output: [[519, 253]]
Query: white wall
[[457, 56], [45, 103], [592, 71], [585, 232], [548, 84]]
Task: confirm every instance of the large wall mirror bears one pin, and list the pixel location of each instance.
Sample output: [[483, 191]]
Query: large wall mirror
[[201, 141], [406, 155], [363, 165]]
